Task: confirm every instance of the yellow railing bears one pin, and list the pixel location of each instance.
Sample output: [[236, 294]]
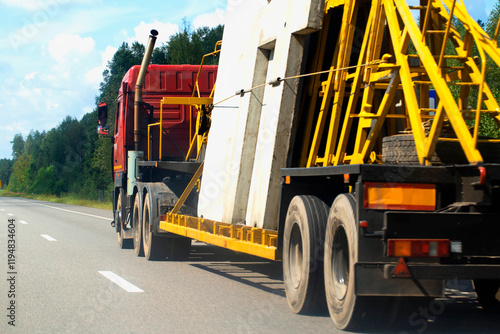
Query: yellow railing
[[240, 238], [196, 138], [195, 101]]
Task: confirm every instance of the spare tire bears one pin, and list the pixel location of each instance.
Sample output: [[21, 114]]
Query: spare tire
[[400, 150]]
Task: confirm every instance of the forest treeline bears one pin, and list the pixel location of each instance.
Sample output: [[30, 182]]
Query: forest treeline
[[72, 158]]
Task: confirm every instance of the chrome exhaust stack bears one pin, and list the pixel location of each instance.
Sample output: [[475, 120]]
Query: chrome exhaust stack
[[138, 88]]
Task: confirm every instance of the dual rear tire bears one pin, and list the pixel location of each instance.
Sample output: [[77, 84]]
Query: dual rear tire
[[341, 254], [314, 281], [303, 254], [123, 242], [161, 247], [145, 242], [137, 226]]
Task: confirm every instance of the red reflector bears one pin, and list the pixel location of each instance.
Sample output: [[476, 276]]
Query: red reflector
[[363, 224], [418, 247], [482, 175], [401, 269]]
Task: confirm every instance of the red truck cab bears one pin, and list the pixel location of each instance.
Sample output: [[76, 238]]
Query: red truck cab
[[161, 81]]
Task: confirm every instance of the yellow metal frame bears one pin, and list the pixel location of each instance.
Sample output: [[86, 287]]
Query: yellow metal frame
[[240, 238], [196, 138], [194, 101], [360, 100], [384, 71], [191, 101], [189, 188]]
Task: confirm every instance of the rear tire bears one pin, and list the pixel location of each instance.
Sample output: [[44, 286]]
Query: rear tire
[[122, 242], [155, 248], [341, 254], [303, 254], [137, 227], [488, 294]]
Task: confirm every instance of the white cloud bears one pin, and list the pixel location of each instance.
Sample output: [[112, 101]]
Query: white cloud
[[49, 105], [13, 128], [30, 76], [94, 76], [28, 4], [57, 86], [210, 19], [108, 54], [165, 30], [33, 5], [66, 44]]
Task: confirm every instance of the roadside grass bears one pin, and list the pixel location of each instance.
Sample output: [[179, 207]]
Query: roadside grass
[[65, 199]]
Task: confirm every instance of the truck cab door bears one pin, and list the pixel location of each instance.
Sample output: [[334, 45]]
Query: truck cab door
[[119, 164]]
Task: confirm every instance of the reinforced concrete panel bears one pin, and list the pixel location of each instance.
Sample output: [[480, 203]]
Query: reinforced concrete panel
[[250, 133]]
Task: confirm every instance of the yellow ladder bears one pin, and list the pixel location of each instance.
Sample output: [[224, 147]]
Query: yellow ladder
[[397, 58]]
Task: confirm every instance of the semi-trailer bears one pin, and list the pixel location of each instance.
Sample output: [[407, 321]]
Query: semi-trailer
[[319, 147]]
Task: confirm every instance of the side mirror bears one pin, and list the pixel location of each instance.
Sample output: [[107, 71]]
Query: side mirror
[[103, 130], [102, 114]]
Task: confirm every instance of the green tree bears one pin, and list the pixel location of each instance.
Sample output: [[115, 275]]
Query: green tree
[[124, 58], [188, 46], [52, 149], [493, 72], [492, 22], [20, 178], [5, 171], [17, 146], [46, 182]]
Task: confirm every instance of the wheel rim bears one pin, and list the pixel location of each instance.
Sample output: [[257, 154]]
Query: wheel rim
[[145, 221], [340, 264], [296, 255], [136, 226], [118, 221]]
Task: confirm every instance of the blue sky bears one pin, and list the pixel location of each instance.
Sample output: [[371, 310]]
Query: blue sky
[[53, 52]]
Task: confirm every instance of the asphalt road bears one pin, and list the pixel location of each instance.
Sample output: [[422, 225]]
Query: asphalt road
[[67, 256]]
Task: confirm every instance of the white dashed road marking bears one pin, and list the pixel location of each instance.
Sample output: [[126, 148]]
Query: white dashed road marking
[[127, 286], [79, 213], [48, 237]]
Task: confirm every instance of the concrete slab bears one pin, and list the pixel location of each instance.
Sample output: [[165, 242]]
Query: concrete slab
[[249, 137]]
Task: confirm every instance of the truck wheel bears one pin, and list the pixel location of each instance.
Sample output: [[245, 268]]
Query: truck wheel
[[137, 227], [155, 248], [488, 294], [341, 254], [303, 241], [122, 242]]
